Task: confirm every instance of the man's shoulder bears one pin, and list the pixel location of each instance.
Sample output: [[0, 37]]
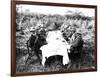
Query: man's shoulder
[[77, 37], [78, 34]]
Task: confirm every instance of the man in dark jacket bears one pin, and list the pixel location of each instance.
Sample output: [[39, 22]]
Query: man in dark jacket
[[30, 44], [76, 42]]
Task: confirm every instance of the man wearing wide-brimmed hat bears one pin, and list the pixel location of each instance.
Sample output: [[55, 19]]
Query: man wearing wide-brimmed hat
[[76, 42]]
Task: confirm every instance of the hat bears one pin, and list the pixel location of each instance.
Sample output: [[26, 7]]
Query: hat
[[53, 26]]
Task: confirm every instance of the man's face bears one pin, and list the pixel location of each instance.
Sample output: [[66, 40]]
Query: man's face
[[68, 33]]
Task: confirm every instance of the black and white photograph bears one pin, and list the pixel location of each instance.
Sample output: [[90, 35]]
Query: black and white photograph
[[54, 38]]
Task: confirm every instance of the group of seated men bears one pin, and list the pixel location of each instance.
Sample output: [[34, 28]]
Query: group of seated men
[[70, 34]]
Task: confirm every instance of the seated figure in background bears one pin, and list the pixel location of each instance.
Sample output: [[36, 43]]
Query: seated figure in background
[[76, 42]]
